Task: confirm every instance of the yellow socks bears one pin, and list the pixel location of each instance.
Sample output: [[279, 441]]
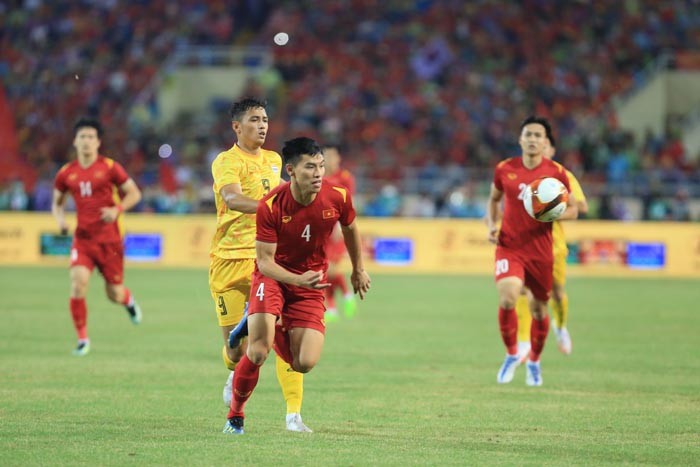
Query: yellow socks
[[292, 385], [560, 311], [522, 309], [230, 364]]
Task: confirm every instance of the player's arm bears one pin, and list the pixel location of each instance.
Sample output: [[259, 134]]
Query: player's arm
[[235, 200], [265, 257], [571, 212], [359, 277], [132, 196], [493, 213], [577, 191], [58, 210]]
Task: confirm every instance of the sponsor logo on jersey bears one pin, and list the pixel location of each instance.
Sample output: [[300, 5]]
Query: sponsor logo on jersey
[[275, 168]]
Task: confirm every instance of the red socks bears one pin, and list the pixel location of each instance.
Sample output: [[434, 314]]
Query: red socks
[[245, 378], [508, 322], [79, 312], [538, 336]]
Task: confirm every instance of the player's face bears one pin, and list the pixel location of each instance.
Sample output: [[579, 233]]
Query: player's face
[[308, 172], [86, 141], [532, 139], [332, 157], [252, 127]]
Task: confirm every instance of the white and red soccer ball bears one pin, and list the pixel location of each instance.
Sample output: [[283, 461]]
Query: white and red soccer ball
[[545, 199]]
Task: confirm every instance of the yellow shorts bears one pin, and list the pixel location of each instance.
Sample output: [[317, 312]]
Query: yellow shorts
[[229, 282], [559, 270]]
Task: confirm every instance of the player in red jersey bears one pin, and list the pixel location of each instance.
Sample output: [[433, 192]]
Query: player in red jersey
[[94, 181], [294, 222], [335, 250], [524, 246]]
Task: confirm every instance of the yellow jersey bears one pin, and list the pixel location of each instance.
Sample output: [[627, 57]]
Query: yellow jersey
[[559, 242], [257, 175]]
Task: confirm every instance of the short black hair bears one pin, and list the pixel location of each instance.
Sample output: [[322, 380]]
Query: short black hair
[[541, 121], [297, 147], [239, 108], [87, 122]]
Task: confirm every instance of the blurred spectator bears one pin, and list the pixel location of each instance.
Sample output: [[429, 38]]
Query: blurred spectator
[[422, 206], [433, 85], [387, 203], [680, 206], [462, 203]]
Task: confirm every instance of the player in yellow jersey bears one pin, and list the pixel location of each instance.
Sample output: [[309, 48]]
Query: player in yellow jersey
[[242, 176], [559, 301]]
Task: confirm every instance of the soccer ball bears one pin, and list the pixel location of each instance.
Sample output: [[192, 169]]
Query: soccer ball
[[545, 199]]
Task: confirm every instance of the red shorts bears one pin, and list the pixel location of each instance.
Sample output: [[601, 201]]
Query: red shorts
[[536, 275], [335, 250], [299, 307], [108, 257]]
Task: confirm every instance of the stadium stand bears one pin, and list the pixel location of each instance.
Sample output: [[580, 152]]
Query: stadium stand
[[423, 95]]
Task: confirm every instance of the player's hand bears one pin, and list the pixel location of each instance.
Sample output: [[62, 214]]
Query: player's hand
[[64, 230], [109, 214], [360, 282], [493, 235], [312, 280]]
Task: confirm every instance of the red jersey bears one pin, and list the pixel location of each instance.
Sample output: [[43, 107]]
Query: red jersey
[[341, 178], [92, 188], [519, 231], [301, 232]]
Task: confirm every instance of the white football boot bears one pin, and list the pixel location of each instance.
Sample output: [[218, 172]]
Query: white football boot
[[507, 371], [534, 374], [294, 423]]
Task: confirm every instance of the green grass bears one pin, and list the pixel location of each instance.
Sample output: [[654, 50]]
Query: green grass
[[409, 381]]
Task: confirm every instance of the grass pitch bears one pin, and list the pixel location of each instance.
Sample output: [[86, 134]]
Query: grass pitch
[[411, 380]]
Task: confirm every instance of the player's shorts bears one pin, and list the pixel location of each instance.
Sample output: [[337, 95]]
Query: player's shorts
[[108, 257], [536, 275], [335, 250], [559, 269], [229, 283], [298, 307]]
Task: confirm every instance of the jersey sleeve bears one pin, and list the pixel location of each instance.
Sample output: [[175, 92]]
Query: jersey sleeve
[[576, 187], [117, 174], [225, 172], [349, 180], [59, 182], [347, 210], [265, 230]]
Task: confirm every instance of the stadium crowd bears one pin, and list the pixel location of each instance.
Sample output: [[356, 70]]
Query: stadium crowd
[[422, 95]]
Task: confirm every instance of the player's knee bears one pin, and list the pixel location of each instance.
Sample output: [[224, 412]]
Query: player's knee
[[303, 365], [539, 310], [78, 288], [507, 301], [257, 353], [558, 292]]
